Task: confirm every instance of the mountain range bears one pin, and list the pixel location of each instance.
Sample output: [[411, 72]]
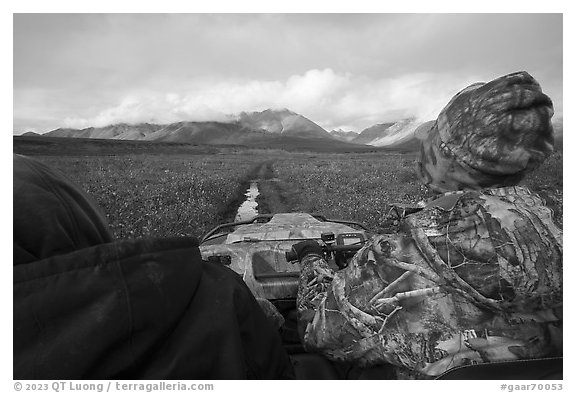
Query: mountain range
[[371, 133], [283, 122], [269, 127], [344, 136]]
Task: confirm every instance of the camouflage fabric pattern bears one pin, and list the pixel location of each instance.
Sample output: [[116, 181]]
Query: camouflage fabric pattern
[[489, 135], [262, 246], [473, 277]]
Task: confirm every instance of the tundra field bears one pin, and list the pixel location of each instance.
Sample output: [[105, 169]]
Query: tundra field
[[180, 194]]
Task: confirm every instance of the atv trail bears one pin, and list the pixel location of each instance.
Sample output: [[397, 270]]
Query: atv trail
[[276, 196], [263, 193]]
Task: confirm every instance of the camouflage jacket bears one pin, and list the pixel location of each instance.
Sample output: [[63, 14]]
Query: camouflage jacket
[[474, 277]]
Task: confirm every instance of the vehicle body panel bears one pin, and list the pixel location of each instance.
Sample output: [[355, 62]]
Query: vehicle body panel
[[257, 251]]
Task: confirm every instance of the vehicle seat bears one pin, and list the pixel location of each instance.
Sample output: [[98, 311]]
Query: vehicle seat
[[534, 369]]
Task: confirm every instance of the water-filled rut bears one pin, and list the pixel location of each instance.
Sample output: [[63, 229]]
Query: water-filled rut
[[249, 208]]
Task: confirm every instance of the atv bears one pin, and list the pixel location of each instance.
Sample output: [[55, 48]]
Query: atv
[[260, 251]]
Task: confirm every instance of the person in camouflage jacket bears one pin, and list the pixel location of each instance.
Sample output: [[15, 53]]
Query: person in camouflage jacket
[[476, 275]]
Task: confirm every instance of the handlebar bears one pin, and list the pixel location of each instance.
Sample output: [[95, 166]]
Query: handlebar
[[328, 249]]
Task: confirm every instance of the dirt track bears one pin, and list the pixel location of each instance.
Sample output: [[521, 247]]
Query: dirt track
[[275, 195]]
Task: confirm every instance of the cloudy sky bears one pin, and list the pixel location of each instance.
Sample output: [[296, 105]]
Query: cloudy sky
[[346, 71]]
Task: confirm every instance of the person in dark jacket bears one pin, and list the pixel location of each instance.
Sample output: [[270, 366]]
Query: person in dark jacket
[[87, 306]]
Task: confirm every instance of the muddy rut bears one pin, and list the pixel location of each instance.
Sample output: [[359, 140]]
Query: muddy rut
[[275, 195]]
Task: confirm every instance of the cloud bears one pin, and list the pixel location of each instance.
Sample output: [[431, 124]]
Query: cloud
[[332, 99], [341, 70]]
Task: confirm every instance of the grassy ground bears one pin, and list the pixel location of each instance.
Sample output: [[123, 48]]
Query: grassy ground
[[187, 194], [361, 187], [161, 195], [357, 187]]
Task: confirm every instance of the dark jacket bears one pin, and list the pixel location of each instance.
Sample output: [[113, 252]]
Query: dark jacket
[[87, 307]]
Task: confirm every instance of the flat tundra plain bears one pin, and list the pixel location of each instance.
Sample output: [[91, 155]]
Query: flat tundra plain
[[179, 194]]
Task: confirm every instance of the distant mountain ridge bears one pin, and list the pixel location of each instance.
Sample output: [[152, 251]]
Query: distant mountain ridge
[[209, 132], [283, 122], [114, 131], [401, 132], [345, 136], [371, 133], [31, 133], [269, 127], [246, 127]]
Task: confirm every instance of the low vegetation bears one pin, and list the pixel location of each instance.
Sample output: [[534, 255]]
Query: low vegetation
[[357, 187], [161, 195], [362, 187], [187, 194]]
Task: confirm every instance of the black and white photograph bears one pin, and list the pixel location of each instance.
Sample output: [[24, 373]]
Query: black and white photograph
[[206, 197]]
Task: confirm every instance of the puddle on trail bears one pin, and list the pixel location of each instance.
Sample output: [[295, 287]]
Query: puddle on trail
[[249, 208]]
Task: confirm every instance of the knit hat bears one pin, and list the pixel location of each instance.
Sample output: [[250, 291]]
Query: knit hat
[[489, 135]]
